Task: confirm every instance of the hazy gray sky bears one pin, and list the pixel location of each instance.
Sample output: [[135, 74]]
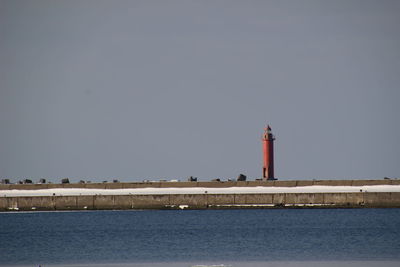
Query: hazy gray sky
[[139, 90]]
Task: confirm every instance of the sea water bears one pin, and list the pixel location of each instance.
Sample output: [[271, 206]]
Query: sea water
[[259, 237]]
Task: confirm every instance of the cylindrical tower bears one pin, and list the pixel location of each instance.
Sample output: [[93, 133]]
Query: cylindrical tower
[[268, 149]]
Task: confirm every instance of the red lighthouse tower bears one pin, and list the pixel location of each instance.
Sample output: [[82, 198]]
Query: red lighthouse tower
[[268, 149]]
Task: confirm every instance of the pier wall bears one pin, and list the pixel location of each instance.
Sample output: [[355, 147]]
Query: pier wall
[[202, 201], [291, 183]]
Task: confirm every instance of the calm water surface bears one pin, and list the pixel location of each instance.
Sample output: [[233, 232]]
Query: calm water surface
[[182, 238]]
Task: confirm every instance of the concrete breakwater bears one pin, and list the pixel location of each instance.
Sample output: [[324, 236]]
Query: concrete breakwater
[[204, 200], [201, 201], [290, 183]]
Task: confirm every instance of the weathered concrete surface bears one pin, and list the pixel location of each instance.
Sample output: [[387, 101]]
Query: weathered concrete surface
[[139, 185], [150, 201], [304, 183], [41, 203], [12, 203], [335, 198], [176, 184], [24, 203], [4, 202], [258, 199], [221, 199], [65, 202], [113, 185], [201, 201], [279, 199], [85, 202], [334, 182], [382, 200], [240, 199], [369, 182], [194, 201], [103, 202], [92, 186], [291, 183], [306, 199], [394, 182], [355, 198], [122, 202]]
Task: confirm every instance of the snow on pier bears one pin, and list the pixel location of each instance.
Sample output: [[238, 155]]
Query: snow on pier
[[199, 190]]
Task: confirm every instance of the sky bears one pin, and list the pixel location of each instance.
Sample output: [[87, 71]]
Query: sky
[[134, 90]]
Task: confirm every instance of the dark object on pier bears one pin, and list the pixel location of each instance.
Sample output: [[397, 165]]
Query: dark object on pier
[[42, 181], [5, 181], [192, 179], [115, 181], [27, 181], [242, 177], [65, 181], [216, 180]]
